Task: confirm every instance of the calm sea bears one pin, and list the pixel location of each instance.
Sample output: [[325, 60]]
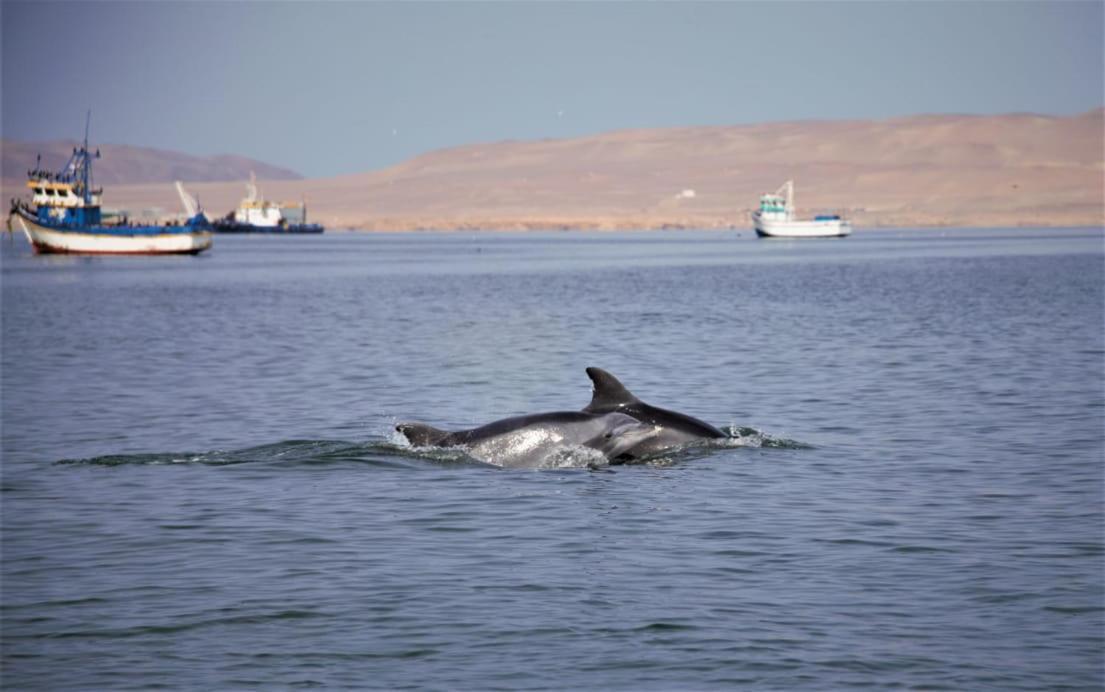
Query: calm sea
[[201, 488]]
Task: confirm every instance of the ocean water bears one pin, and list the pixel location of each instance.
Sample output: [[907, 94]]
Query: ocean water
[[201, 487]]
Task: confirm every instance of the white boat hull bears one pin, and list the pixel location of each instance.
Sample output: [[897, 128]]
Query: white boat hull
[[830, 228], [49, 240]]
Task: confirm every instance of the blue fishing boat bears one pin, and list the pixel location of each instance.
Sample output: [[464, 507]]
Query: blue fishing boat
[[64, 216]]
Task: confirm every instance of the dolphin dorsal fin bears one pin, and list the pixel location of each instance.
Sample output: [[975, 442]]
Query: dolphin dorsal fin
[[609, 394]]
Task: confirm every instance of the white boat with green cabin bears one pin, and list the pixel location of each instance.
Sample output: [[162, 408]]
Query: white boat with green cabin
[[776, 218]]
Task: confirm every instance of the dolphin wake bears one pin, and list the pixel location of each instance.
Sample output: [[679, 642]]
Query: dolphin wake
[[615, 428], [394, 452]]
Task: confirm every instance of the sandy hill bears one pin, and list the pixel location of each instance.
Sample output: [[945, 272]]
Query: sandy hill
[[918, 171], [121, 164]]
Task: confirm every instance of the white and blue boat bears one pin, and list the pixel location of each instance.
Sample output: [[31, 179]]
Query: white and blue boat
[[258, 215], [64, 216]]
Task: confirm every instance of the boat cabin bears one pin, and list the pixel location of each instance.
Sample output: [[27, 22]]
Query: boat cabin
[[257, 212], [47, 193], [773, 203], [61, 198]]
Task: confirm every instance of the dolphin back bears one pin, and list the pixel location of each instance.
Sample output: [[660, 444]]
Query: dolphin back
[[611, 395]]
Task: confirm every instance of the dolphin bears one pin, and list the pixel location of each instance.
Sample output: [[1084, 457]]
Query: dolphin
[[675, 429], [533, 441]]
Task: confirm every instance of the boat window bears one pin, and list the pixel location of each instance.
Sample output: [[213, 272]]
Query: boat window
[[38, 190], [49, 191]]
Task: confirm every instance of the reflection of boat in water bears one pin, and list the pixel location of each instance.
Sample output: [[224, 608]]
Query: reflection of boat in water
[[257, 215], [64, 216], [776, 219]]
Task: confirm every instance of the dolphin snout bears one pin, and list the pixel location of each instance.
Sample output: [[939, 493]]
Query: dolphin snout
[[630, 435]]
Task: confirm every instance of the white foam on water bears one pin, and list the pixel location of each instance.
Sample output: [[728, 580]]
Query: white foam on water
[[574, 458]]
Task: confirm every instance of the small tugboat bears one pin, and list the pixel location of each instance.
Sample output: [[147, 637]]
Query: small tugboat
[[776, 219], [64, 217], [257, 215]]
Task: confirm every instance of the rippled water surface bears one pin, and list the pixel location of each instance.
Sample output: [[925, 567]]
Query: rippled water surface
[[201, 487]]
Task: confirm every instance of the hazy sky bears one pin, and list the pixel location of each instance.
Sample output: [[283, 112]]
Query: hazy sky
[[327, 88]]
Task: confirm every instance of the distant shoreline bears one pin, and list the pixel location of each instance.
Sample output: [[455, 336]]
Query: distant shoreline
[[220, 197], [947, 171]]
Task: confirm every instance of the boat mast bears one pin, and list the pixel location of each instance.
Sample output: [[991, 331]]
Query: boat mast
[[786, 191], [86, 164], [251, 188]]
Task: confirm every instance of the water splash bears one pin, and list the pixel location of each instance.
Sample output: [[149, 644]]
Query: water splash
[[742, 436], [570, 457]]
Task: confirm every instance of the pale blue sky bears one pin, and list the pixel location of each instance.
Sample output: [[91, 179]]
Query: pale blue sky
[[327, 88]]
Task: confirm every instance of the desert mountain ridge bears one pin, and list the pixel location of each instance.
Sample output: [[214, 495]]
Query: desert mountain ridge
[[926, 170], [122, 164]]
